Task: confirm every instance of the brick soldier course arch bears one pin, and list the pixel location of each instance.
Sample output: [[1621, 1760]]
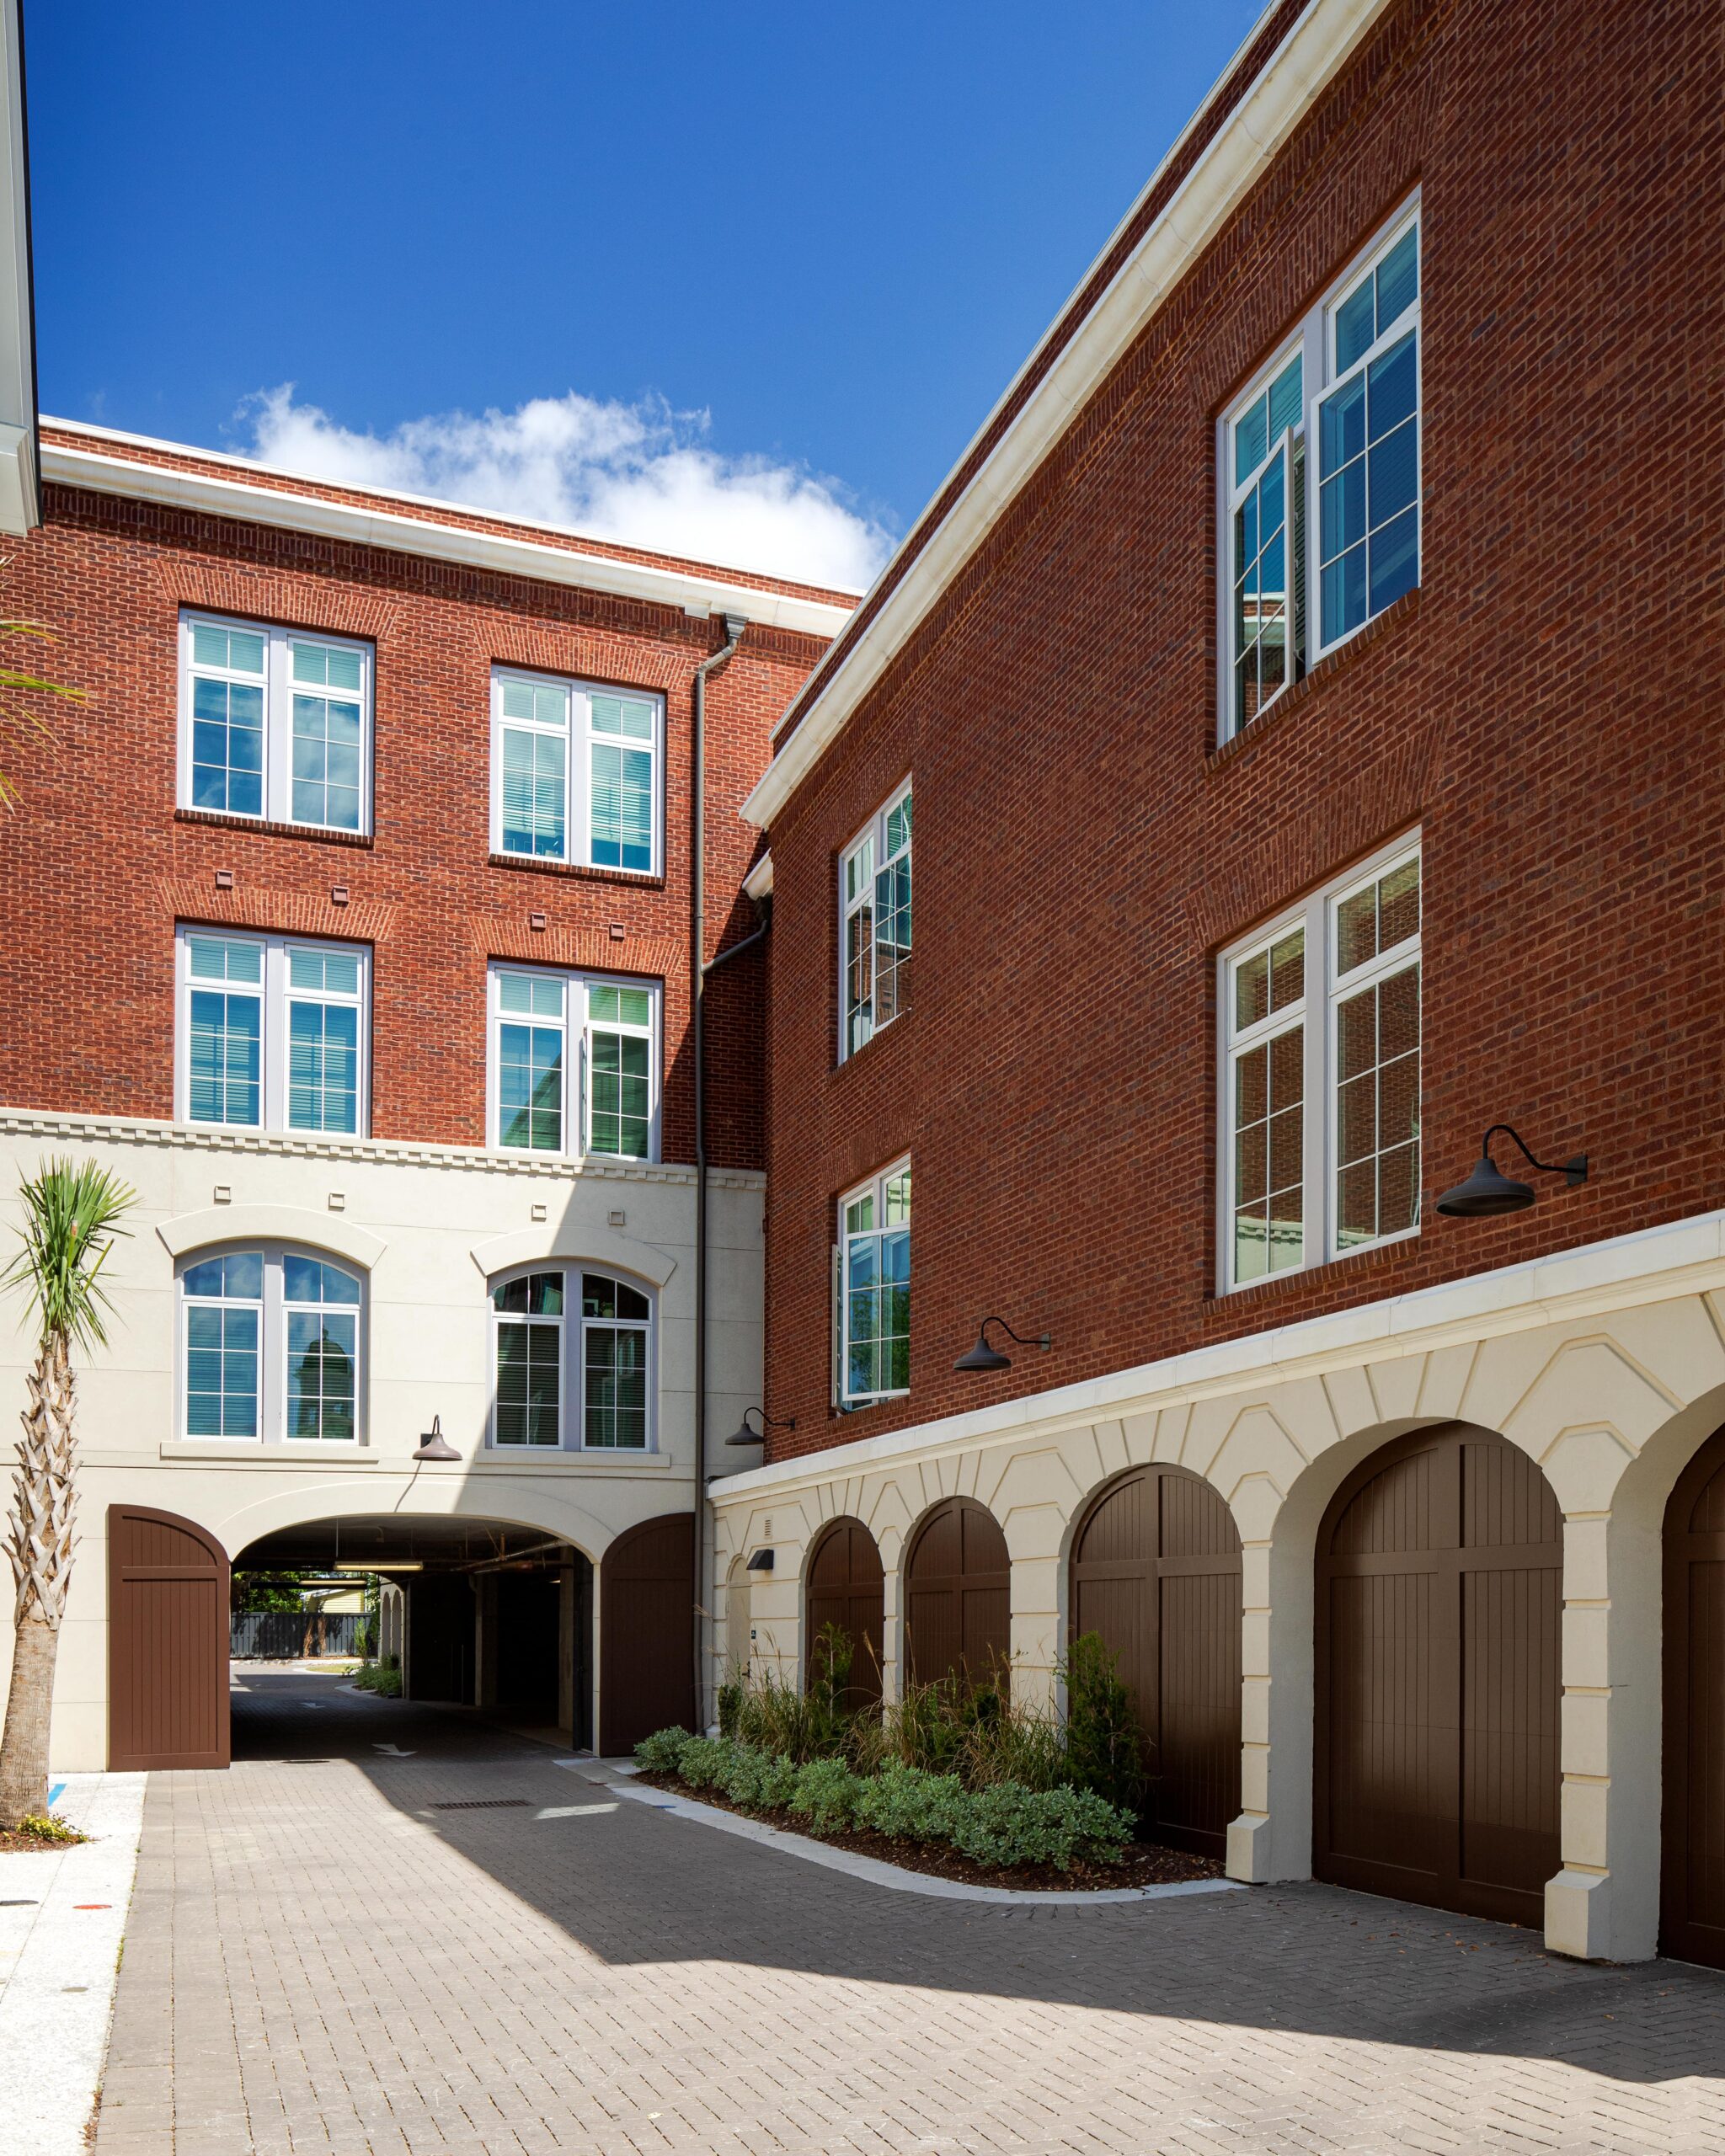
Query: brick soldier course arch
[[1692, 1846], [646, 1638], [1440, 1599], [956, 1593], [168, 1623], [1156, 1571], [847, 1589]]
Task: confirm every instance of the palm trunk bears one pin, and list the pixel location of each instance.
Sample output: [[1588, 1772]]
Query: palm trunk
[[44, 1500]]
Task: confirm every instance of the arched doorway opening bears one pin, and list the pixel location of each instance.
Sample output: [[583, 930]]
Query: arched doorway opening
[[957, 1587], [847, 1591], [1692, 1839], [1439, 1609], [1156, 1571], [490, 1614]]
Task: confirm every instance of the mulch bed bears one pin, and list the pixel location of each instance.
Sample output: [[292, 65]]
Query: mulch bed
[[1145, 1863], [15, 1840]]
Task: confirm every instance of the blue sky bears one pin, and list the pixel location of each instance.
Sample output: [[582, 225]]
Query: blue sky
[[739, 281]]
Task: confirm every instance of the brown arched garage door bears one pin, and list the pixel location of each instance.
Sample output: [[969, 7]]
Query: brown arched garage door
[[1692, 1868], [167, 1625], [646, 1632], [847, 1589], [1156, 1570], [1439, 1598], [957, 1584]]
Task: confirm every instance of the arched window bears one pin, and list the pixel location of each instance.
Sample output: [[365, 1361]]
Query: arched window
[[270, 1346], [573, 1355]]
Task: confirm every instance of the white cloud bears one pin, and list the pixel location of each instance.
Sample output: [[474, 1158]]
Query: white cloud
[[638, 473]]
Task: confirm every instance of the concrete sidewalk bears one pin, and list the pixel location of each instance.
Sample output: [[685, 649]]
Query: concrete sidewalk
[[391, 1929], [62, 1915]]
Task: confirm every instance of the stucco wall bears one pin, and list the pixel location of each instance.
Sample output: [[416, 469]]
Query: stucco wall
[[425, 1225]]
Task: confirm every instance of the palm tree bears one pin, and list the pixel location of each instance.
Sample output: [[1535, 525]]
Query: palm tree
[[73, 1213], [16, 715]]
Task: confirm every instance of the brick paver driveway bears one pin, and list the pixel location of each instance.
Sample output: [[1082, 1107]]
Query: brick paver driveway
[[320, 1961]]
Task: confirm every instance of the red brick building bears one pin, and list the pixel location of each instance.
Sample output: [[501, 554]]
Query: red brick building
[[1301, 689], [353, 923]]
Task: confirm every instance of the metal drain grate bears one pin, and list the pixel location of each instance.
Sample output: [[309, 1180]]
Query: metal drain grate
[[481, 1804]]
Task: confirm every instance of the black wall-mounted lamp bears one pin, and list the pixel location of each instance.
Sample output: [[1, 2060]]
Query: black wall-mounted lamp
[[982, 1357], [743, 1435], [1487, 1191], [434, 1445], [762, 1561]]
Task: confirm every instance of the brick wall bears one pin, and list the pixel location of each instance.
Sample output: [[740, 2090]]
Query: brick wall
[[96, 865], [1544, 707]]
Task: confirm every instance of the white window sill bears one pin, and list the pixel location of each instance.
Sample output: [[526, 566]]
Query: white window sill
[[260, 1453], [511, 1460], [1322, 1264]]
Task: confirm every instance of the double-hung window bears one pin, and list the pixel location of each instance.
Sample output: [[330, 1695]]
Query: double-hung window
[[274, 724], [271, 1346], [272, 1032], [1326, 439], [1321, 1054], [872, 1290], [568, 1379], [574, 1064], [576, 773], [875, 925]]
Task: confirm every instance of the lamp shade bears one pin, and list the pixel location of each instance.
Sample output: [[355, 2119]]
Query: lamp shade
[[1487, 1191], [984, 1358], [434, 1445], [743, 1435]]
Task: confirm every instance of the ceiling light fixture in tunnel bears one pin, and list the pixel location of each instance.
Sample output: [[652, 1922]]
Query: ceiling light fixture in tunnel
[[379, 1564]]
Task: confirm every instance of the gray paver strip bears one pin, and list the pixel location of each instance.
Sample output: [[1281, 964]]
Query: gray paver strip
[[320, 1963]]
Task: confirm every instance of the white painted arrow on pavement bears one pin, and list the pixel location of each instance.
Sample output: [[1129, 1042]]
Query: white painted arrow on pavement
[[394, 1751]]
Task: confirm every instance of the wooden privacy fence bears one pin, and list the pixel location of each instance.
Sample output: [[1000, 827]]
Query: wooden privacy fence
[[287, 1634]]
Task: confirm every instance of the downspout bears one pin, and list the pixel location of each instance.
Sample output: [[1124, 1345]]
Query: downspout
[[734, 625]]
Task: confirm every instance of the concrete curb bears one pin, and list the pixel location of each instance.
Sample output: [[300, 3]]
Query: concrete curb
[[59, 1961], [875, 1870]]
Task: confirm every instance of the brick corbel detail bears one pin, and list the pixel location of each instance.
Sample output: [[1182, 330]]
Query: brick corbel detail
[[589, 950], [285, 913], [300, 602]]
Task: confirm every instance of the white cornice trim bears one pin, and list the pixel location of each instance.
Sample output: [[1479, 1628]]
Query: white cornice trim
[[106, 474], [385, 1152], [1650, 1265], [1308, 59]]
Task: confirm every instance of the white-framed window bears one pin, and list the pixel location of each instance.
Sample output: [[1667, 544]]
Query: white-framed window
[[573, 1062], [1319, 1068], [875, 925], [572, 1361], [872, 1285], [576, 772], [273, 1032], [271, 1342], [1325, 440], [275, 723]]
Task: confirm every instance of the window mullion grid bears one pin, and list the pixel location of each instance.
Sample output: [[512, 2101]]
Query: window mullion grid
[[578, 829], [1370, 975]]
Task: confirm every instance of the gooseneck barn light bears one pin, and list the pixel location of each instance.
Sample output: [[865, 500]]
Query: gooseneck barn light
[[1487, 1191], [743, 1435], [984, 1358], [434, 1445]]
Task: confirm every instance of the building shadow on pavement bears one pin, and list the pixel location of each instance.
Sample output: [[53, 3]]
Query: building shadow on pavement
[[635, 1886]]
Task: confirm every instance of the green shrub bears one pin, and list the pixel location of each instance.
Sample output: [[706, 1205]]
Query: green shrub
[[1105, 1739], [760, 1781], [661, 1753], [731, 1694], [825, 1793], [703, 1761], [1008, 1824], [910, 1803], [383, 1677]]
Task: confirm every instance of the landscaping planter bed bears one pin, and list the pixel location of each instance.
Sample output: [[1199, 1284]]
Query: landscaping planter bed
[[1145, 1864]]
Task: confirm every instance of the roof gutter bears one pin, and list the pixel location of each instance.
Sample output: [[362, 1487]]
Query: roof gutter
[[1251, 137]]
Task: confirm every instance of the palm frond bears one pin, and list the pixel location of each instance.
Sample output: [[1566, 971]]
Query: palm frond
[[17, 717], [73, 1213]]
